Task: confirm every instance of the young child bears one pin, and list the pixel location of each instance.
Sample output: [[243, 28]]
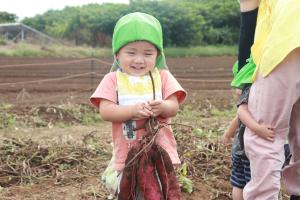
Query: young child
[[240, 172], [275, 99], [138, 87]]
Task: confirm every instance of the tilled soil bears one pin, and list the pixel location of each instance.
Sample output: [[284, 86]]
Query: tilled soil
[[43, 82]]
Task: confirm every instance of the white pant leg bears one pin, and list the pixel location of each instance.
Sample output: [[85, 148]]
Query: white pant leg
[[271, 102]]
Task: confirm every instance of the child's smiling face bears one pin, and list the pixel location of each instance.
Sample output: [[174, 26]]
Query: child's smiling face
[[137, 58]]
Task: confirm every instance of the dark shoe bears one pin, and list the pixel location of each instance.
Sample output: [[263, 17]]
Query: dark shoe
[[294, 197]]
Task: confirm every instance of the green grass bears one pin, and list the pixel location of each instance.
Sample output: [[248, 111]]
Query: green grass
[[30, 50], [8, 121], [223, 113], [23, 49], [201, 51], [211, 125], [189, 113]]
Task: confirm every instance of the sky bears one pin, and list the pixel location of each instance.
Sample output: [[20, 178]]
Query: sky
[[30, 8]]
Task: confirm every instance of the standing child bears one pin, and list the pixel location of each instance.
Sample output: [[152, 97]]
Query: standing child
[[139, 88], [240, 172]]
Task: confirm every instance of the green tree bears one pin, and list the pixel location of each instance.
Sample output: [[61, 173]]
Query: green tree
[[6, 17], [221, 21], [101, 20], [184, 22]]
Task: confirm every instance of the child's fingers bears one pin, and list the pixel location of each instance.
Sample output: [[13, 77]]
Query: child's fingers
[[269, 130], [271, 139], [154, 114], [147, 113], [271, 133], [225, 143], [143, 113], [147, 107], [225, 140], [156, 111], [154, 102]]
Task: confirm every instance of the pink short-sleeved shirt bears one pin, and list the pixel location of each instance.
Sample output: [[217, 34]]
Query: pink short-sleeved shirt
[[165, 138]]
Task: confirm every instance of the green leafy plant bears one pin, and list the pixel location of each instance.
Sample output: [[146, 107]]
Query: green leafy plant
[[185, 183], [7, 120]]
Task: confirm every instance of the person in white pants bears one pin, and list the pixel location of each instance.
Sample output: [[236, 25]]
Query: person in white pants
[[274, 98]]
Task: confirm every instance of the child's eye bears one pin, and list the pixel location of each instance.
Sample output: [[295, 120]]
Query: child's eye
[[130, 52], [149, 54]]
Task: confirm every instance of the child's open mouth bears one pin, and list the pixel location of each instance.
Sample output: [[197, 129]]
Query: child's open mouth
[[137, 68]]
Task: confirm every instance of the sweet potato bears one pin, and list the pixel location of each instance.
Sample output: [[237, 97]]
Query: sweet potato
[[147, 178], [166, 174], [128, 179]]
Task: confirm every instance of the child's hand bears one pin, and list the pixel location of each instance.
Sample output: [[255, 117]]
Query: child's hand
[[226, 140], [157, 107], [141, 111], [266, 132]]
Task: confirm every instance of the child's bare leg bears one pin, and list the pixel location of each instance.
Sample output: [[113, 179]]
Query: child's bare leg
[[237, 193]]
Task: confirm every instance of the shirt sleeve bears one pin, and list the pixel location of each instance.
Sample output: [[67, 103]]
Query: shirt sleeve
[[244, 96], [171, 86], [105, 90]]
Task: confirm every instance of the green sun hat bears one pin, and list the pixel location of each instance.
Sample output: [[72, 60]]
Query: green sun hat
[[235, 68], [244, 76], [138, 26]]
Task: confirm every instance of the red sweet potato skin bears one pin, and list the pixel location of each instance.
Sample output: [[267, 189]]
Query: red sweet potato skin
[[149, 168], [147, 178], [128, 179], [126, 185], [167, 176]]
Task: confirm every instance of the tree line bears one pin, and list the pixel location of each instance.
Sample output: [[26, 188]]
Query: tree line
[[184, 22]]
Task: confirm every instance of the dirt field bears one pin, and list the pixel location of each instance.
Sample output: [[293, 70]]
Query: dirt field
[[33, 80], [44, 87]]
